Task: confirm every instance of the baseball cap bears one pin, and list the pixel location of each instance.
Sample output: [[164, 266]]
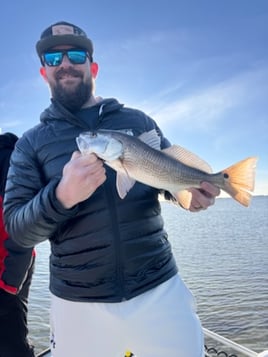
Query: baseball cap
[[63, 33]]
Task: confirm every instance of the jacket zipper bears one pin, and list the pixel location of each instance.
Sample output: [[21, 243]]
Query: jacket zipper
[[110, 194]]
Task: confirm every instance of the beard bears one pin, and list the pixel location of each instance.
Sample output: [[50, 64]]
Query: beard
[[75, 96]]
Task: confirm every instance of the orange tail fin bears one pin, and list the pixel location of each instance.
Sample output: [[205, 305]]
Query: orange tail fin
[[240, 180]]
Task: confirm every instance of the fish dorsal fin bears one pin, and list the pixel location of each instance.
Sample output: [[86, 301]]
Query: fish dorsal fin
[[151, 138], [187, 157]]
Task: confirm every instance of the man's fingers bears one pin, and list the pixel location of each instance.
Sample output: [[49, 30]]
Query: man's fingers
[[76, 155], [209, 189]]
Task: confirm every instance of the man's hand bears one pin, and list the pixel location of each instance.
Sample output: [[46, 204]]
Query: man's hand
[[203, 197], [81, 176]]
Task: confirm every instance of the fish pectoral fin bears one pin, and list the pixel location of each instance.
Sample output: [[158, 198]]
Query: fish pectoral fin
[[187, 157], [184, 198], [151, 138], [124, 184]]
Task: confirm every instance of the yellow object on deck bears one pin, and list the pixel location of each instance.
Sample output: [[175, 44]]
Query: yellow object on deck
[[129, 354]]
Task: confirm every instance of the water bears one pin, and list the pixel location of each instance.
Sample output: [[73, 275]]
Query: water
[[222, 254]]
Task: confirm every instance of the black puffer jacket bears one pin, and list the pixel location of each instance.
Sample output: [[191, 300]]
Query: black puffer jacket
[[103, 249]]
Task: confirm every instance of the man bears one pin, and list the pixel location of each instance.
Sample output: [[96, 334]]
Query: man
[[16, 269], [113, 277]]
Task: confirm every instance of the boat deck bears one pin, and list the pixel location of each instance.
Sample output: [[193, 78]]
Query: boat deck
[[215, 345]]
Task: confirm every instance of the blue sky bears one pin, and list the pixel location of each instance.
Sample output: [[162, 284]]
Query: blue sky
[[199, 68]]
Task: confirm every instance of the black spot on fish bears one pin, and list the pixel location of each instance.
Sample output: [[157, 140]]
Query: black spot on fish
[[225, 175]]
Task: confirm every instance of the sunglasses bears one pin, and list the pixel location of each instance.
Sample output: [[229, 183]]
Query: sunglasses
[[53, 59]]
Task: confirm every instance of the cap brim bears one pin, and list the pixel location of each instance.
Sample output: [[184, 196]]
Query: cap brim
[[72, 40]]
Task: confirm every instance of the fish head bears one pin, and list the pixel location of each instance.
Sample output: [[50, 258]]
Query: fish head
[[104, 146]]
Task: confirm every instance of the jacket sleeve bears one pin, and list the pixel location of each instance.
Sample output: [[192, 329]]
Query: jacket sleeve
[[16, 264], [32, 213]]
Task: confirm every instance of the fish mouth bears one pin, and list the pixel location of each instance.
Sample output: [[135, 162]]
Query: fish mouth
[[91, 142], [104, 146]]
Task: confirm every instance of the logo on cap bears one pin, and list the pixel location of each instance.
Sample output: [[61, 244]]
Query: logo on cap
[[62, 30]]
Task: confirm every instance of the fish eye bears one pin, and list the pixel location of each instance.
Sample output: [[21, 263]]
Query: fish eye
[[93, 134]]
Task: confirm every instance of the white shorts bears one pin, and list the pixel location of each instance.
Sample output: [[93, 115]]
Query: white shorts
[[159, 323]]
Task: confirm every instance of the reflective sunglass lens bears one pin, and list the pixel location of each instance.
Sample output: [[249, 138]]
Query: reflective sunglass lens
[[54, 59], [77, 57]]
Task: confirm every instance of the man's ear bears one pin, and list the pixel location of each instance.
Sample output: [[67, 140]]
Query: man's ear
[[94, 69], [43, 73]]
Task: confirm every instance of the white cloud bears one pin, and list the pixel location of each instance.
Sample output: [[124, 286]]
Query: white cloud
[[208, 105]]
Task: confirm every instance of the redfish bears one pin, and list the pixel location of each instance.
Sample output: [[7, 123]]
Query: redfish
[[174, 169]]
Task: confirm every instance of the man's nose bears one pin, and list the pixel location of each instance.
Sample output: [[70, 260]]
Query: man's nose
[[65, 60]]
